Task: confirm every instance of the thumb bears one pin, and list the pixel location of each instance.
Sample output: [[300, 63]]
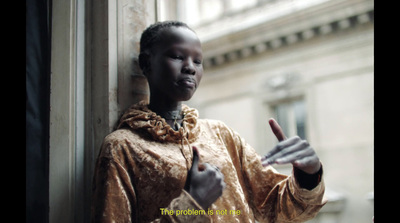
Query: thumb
[[196, 157], [276, 129], [194, 169]]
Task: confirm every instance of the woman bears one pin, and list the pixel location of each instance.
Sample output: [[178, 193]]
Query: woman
[[164, 164]]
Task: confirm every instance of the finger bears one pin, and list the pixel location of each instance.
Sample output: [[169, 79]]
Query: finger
[[219, 181], [310, 164], [219, 172], [209, 169], [295, 156], [194, 170], [195, 164], [223, 185], [305, 161], [281, 148], [278, 132], [295, 145], [276, 129], [218, 188], [212, 171], [217, 168]]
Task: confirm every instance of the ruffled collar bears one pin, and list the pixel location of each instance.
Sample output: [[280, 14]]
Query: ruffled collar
[[140, 117]]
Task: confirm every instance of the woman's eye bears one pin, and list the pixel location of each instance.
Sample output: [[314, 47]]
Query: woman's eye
[[177, 57]]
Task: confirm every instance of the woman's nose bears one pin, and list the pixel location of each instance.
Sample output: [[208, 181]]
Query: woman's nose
[[188, 67]]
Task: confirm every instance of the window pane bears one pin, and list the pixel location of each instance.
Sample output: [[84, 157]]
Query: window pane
[[300, 116], [281, 112], [291, 116]]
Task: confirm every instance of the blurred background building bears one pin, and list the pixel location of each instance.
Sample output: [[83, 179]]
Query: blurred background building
[[307, 63]]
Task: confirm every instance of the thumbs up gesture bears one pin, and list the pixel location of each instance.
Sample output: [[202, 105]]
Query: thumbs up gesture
[[205, 182], [292, 150]]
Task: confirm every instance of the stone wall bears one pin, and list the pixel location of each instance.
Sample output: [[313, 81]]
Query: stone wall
[[322, 54]]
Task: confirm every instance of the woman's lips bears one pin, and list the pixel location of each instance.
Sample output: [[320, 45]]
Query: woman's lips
[[187, 82]]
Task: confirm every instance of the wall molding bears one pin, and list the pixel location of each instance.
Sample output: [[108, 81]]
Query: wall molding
[[327, 20]]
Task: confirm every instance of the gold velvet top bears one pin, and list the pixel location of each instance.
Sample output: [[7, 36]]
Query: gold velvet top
[[142, 168]]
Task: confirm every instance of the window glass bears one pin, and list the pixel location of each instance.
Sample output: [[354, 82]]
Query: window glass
[[300, 116], [291, 116]]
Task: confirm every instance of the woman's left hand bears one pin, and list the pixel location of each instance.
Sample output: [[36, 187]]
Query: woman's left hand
[[292, 150]]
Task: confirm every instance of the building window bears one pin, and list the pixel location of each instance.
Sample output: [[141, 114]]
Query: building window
[[291, 116]]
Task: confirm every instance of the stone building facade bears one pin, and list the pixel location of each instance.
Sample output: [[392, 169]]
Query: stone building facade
[[307, 63]]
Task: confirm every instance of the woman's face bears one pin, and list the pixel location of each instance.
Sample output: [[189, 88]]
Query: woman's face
[[175, 65]]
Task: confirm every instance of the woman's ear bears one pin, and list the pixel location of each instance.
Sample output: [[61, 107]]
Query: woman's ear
[[144, 62]]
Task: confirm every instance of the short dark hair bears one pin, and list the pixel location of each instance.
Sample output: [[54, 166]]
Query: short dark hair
[[150, 35]]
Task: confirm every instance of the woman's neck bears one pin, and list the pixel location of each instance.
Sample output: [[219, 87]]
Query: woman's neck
[[171, 111], [162, 108], [165, 108], [172, 114]]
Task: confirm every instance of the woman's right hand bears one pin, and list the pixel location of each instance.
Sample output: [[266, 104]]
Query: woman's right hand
[[205, 182]]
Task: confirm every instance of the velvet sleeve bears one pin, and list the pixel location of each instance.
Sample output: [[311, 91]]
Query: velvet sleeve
[[275, 197], [114, 198]]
